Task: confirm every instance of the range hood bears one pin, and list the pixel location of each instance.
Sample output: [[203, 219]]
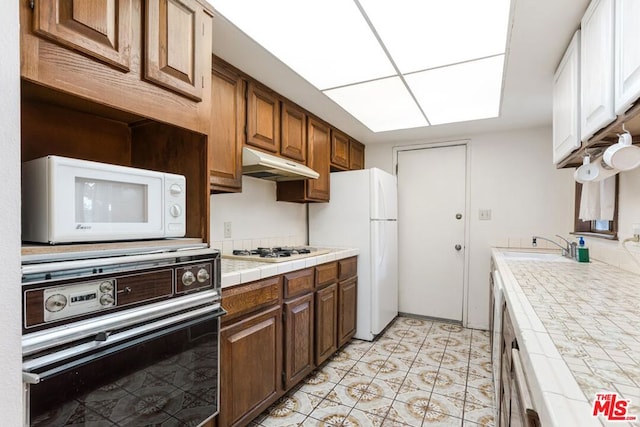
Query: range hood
[[258, 164]]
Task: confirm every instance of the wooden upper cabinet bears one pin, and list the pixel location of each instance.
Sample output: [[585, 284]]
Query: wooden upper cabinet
[[100, 29], [318, 153], [356, 155], [263, 118], [318, 140], [293, 141], [339, 150], [226, 137], [91, 54], [175, 48]]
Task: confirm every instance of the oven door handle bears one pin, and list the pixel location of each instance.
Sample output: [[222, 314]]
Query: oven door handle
[[85, 353]]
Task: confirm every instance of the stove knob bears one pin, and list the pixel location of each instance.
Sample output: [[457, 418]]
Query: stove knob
[[203, 275], [106, 299], [55, 303], [175, 211], [188, 278], [106, 287]]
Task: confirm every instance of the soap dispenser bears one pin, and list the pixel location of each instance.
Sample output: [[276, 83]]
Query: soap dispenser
[[582, 254]]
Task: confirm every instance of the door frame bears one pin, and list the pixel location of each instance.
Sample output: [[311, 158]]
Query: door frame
[[467, 206]]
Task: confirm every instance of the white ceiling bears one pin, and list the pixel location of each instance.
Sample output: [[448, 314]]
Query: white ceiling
[[540, 31]]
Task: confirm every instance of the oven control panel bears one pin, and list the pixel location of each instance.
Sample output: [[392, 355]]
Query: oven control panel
[[194, 277], [80, 298]]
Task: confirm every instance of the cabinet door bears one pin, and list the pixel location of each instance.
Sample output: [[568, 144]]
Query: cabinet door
[[566, 102], [298, 339], [347, 304], [100, 29], [339, 150], [293, 142], [627, 54], [318, 140], [356, 155], [326, 322], [263, 118], [174, 45], [250, 366], [226, 137], [596, 68]]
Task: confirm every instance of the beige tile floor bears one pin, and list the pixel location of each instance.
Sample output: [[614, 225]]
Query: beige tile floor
[[418, 373]]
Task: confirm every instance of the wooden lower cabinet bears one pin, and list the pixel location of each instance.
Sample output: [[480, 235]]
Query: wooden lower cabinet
[[326, 322], [298, 339], [251, 366], [347, 310], [277, 330]]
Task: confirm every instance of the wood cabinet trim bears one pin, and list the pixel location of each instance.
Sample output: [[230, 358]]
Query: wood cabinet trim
[[227, 129], [339, 149], [356, 155], [347, 310], [326, 274], [108, 41], [293, 133], [299, 339], [168, 62], [263, 118], [298, 282], [239, 405], [347, 268], [247, 298]]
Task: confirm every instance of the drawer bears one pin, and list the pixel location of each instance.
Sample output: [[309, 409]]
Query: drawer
[[244, 299], [326, 274], [298, 282], [347, 268]]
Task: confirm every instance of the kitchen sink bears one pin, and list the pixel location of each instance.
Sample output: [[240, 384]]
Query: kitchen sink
[[535, 256]]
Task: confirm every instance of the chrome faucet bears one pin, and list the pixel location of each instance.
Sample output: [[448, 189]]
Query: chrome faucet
[[569, 251]]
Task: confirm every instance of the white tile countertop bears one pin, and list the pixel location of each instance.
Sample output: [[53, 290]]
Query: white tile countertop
[[235, 272], [579, 327]]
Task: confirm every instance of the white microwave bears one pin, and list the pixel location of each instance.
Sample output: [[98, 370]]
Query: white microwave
[[68, 200]]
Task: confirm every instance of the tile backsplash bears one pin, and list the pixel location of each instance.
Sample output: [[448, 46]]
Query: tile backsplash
[[256, 218]]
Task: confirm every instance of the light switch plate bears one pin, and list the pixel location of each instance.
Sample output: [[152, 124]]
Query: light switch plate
[[227, 230], [484, 214]]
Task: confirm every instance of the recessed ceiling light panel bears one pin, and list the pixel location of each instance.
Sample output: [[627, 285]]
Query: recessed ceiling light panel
[[381, 105], [462, 92], [327, 42], [423, 34]]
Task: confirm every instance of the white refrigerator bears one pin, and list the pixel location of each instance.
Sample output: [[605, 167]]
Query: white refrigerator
[[362, 213]]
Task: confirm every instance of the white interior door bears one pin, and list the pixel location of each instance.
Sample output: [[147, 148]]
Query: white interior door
[[431, 209]]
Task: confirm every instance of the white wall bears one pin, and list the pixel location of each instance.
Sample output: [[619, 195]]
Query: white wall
[[512, 174], [257, 219], [10, 368]]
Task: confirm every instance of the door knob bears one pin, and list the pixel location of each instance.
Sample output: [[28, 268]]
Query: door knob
[[458, 216], [458, 247]]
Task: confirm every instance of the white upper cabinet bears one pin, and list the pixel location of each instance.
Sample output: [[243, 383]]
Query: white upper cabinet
[[566, 102], [627, 54], [596, 67]]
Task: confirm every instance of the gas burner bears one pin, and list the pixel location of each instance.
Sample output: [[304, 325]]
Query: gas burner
[[245, 252]]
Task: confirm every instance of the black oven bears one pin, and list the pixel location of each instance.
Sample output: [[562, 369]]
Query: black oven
[[155, 363]]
